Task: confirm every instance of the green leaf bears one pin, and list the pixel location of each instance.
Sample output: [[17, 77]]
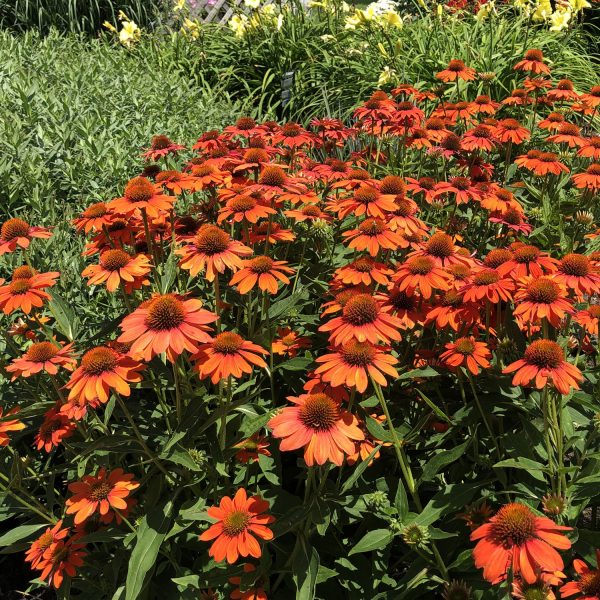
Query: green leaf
[[373, 540], [306, 569], [534, 468], [298, 363], [150, 535], [63, 314], [418, 373], [450, 500], [358, 471], [444, 458], [401, 501], [19, 533]]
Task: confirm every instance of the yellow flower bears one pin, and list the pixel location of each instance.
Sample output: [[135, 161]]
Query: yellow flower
[[238, 24], [252, 3], [279, 22], [130, 33], [484, 12], [522, 5], [368, 14], [579, 5], [352, 21], [386, 76], [191, 28], [542, 11], [179, 5], [393, 19], [268, 10], [122, 16], [109, 26], [560, 19]]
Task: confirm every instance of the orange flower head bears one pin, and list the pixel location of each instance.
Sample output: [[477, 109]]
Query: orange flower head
[[101, 493], [590, 179], [540, 298], [576, 272], [533, 62], [317, 424], [118, 267], [515, 538], [166, 323], [7, 424], [264, 271], [372, 235], [467, 352], [94, 217], [42, 356], [26, 290], [142, 195], [422, 274], [543, 362], [18, 233], [392, 184], [228, 355], [54, 429], [62, 557], [239, 522], [456, 69], [244, 208], [587, 584], [41, 545], [289, 342]]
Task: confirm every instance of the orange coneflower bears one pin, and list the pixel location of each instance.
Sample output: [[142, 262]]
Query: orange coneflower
[[488, 284], [371, 235], [248, 450], [319, 425], [403, 217], [7, 424], [18, 233], [552, 122], [588, 583], [364, 319], [238, 521], [592, 98], [353, 363], [42, 356], [510, 130], [533, 61], [590, 179], [26, 290], [453, 312], [500, 200], [367, 200], [288, 342], [423, 185], [244, 127], [55, 427], [213, 250], [93, 218], [518, 97], [244, 208], [308, 212], [527, 260], [141, 194], [568, 134], [539, 298], [423, 274], [461, 187], [577, 272], [441, 248], [292, 135], [102, 493], [103, 369], [364, 270], [545, 163], [77, 408], [117, 266], [409, 309], [176, 181], [467, 352], [207, 175], [517, 539], [272, 233], [590, 148], [564, 91], [456, 69], [484, 105], [545, 360], [264, 271], [166, 323], [228, 354], [40, 546], [61, 558], [160, 146], [589, 319]]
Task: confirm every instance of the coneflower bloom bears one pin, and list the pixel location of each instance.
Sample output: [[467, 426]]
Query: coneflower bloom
[[55, 428], [244, 127], [500, 200], [166, 323], [545, 163], [93, 218], [589, 319], [460, 187], [481, 137], [354, 362], [467, 352], [141, 194], [76, 408], [587, 584], [456, 69], [577, 272], [403, 216], [42, 356], [516, 539], [422, 274], [40, 546], [228, 354], [176, 181], [518, 97], [160, 146], [564, 92], [453, 312], [540, 588], [26, 290], [318, 424], [569, 134], [541, 298], [213, 250], [368, 201], [289, 343], [364, 319], [239, 521], [273, 232], [371, 235], [101, 493], [248, 450], [118, 267], [488, 284], [590, 148], [63, 557], [18, 233], [552, 122], [7, 424], [510, 130], [364, 270], [308, 212], [533, 61], [484, 105], [590, 179], [101, 370], [262, 271], [244, 208], [207, 176], [423, 185], [292, 135], [544, 362], [442, 249], [527, 260]]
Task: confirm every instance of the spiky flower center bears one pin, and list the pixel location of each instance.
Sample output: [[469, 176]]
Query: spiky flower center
[[242, 203], [20, 286], [363, 265], [291, 130], [42, 352], [513, 525], [544, 354], [113, 260], [392, 184], [440, 245], [358, 354], [372, 227], [526, 254], [365, 194], [361, 310], [165, 312], [45, 540], [245, 123], [23, 272], [319, 412], [203, 170], [456, 66], [139, 189], [272, 176], [338, 166], [575, 264], [481, 100], [310, 210], [535, 55], [160, 142], [511, 124], [100, 491], [512, 216], [256, 155], [497, 257], [452, 299], [459, 271], [450, 142], [486, 277], [542, 291], [565, 84], [227, 343], [568, 129], [464, 346], [95, 211], [99, 360], [261, 264], [593, 169], [589, 583], [14, 228], [420, 265], [236, 522], [211, 240], [482, 132], [547, 157]]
